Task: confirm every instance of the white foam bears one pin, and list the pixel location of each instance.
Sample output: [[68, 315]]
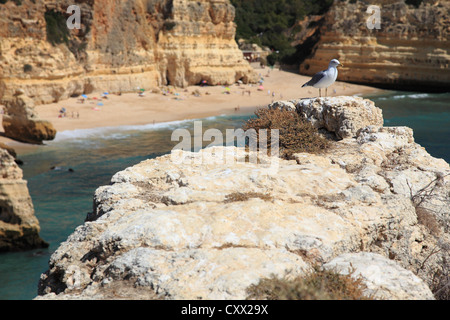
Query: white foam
[[120, 132], [413, 96]]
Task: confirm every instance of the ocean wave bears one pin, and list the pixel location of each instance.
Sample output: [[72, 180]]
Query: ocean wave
[[121, 132], [406, 96], [412, 96]]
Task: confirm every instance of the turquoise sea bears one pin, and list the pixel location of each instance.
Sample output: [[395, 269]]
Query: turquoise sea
[[63, 197]]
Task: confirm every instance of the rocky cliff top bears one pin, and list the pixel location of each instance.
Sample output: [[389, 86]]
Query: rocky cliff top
[[206, 228]]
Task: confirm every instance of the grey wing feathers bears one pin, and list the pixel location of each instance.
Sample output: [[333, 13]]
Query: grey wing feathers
[[316, 78]]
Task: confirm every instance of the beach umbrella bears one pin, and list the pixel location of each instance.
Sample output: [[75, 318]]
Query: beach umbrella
[[84, 96], [105, 93], [142, 90], [100, 104]]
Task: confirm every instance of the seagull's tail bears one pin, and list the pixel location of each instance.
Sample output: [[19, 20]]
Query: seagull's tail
[[305, 85]]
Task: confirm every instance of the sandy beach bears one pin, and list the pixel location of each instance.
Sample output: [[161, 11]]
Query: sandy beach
[[171, 104]]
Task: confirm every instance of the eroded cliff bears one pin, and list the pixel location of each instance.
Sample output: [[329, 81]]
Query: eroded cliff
[[22, 123], [19, 227], [121, 45], [410, 50]]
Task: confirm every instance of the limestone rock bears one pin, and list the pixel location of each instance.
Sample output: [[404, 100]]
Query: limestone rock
[[207, 225], [409, 50], [10, 150], [121, 45], [22, 123], [384, 279], [344, 116], [19, 227], [205, 247]]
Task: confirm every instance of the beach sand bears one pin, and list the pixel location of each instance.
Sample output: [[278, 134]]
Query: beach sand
[[179, 104]]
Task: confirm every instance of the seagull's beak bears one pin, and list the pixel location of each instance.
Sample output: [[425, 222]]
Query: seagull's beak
[[340, 65]]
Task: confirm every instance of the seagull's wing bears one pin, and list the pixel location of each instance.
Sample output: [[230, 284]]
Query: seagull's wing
[[316, 78]]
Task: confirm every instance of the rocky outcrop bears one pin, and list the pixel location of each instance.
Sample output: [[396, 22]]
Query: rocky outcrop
[[121, 45], [383, 277], [410, 50], [9, 149], [21, 122], [19, 227], [207, 225], [344, 116]]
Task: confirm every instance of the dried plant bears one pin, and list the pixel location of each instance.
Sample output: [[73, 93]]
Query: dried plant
[[318, 284], [428, 217], [244, 196], [295, 134]]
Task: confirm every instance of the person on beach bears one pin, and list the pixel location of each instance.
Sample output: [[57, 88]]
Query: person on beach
[[62, 113]]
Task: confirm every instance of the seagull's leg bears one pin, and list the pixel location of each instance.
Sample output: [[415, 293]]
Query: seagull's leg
[[320, 92], [326, 90]]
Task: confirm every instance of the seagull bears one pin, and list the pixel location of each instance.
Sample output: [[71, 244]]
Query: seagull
[[325, 78]]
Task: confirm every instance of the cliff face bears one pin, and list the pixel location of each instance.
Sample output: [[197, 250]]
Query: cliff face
[[207, 225], [203, 46], [19, 227], [410, 50], [121, 45]]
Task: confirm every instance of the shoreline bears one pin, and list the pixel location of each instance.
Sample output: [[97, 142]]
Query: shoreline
[[177, 104]]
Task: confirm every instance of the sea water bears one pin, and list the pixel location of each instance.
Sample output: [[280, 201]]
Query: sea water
[[63, 175], [427, 114]]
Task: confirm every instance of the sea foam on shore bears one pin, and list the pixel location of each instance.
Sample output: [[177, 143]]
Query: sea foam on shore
[[120, 132]]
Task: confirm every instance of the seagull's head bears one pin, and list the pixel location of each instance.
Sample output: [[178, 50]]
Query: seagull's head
[[335, 63]]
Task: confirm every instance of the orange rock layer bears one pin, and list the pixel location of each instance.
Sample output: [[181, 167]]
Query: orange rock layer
[[410, 50], [122, 45]]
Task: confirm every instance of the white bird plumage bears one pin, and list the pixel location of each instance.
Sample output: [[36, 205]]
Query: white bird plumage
[[325, 78]]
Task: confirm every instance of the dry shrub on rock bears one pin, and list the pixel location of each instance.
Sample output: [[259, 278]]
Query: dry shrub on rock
[[295, 134], [316, 285]]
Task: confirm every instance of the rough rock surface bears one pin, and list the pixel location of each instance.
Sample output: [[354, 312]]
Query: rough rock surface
[[21, 122], [122, 45], [409, 50], [173, 228], [383, 277], [344, 116], [19, 227]]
